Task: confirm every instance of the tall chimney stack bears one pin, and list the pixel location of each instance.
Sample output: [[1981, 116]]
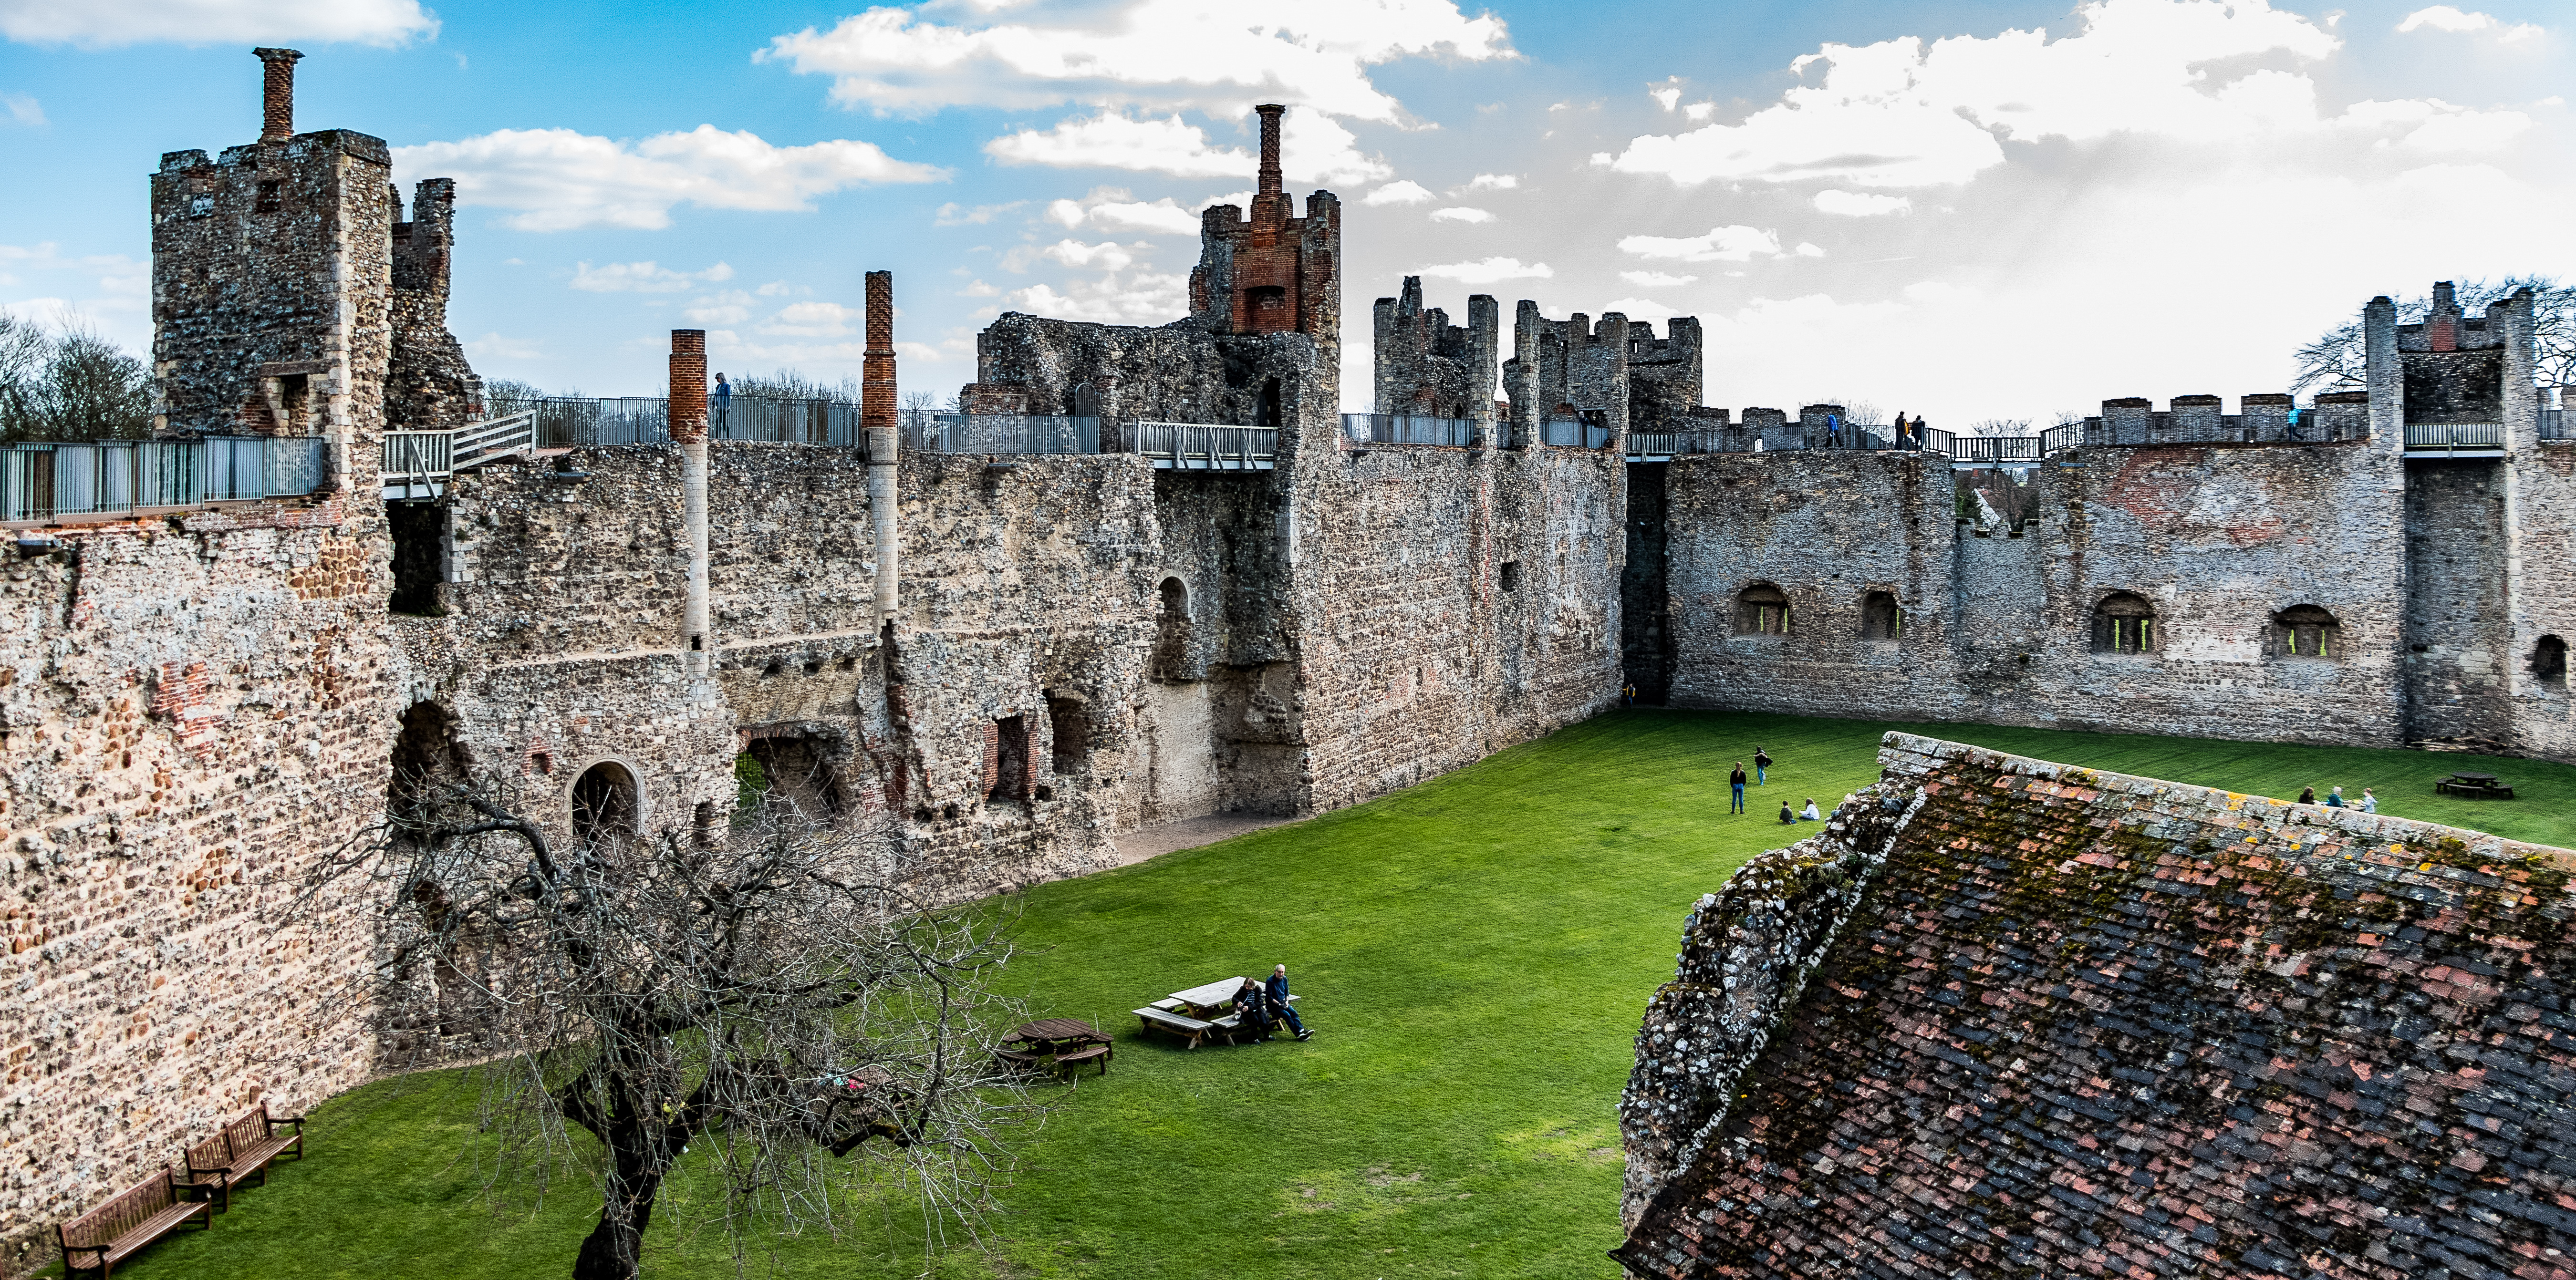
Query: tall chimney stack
[[1270, 181], [877, 409], [277, 94], [688, 427]]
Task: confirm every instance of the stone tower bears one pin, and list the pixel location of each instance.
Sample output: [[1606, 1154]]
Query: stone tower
[[1273, 272]]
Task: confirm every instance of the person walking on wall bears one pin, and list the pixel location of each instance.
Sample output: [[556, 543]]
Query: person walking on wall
[[722, 397], [1280, 1009], [1761, 767], [1833, 431], [2308, 795], [1735, 783]]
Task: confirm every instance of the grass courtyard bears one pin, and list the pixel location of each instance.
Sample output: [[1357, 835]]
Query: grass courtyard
[[1474, 954]]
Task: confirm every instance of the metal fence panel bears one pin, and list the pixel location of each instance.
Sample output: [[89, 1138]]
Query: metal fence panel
[[1408, 428], [295, 465], [1001, 433]]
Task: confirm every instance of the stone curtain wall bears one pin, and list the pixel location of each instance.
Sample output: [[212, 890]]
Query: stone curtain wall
[[2218, 539], [192, 709], [2458, 632], [2090, 1023], [2544, 596]]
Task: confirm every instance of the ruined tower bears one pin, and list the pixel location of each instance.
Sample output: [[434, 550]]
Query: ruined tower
[[1272, 272], [272, 279]]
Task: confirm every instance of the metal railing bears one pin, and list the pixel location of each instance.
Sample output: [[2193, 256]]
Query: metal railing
[[1775, 439], [1000, 433], [1407, 428], [1939, 441], [1196, 446], [1995, 451], [586, 422], [2555, 426], [1572, 433], [44, 481], [2422, 437], [427, 454]]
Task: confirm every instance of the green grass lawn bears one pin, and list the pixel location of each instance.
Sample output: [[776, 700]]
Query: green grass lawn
[[1474, 954]]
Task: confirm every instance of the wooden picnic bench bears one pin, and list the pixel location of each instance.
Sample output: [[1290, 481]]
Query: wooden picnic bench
[[1058, 1044], [96, 1241], [240, 1149], [1197, 1014]]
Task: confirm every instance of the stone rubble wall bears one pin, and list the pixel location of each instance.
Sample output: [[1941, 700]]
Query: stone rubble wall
[[2087, 1022]]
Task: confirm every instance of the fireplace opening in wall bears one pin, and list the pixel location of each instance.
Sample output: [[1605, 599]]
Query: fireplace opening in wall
[[2549, 663]]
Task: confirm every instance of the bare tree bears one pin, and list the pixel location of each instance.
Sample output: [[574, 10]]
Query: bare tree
[[71, 384], [760, 996], [2338, 359]]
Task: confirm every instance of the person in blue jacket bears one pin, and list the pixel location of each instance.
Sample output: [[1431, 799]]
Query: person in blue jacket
[[1280, 1009]]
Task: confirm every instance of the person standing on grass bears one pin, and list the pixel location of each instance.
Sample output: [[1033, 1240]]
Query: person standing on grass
[[1761, 767], [2308, 795], [1280, 1009], [2369, 802], [1735, 783]]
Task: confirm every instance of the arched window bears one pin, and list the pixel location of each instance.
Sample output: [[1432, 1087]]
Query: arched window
[[2124, 623], [2549, 662], [603, 802], [1880, 618], [1762, 610], [2306, 631], [1172, 631]]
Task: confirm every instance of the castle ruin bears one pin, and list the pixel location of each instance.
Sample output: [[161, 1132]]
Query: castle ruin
[[1233, 598]]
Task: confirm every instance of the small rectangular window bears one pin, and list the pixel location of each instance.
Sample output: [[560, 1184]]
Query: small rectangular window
[[1010, 759], [270, 190], [1071, 731]]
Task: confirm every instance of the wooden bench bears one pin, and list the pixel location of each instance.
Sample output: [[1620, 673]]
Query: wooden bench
[[1071, 1059], [241, 1149], [1183, 1025], [96, 1241]]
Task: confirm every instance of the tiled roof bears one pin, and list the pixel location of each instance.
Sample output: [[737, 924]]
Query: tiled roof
[[2089, 1024]]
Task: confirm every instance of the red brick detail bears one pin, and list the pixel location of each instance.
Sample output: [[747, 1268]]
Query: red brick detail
[[277, 93], [688, 384], [992, 755], [180, 697], [877, 390]]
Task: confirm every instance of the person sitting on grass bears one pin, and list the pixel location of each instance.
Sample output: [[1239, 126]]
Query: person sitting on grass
[[1787, 815], [1252, 1015], [1280, 1009], [1809, 813]]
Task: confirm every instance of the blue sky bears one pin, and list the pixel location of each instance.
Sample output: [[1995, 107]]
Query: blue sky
[[1975, 210]]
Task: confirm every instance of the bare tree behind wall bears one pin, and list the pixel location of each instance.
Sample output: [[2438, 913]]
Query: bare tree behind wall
[[2337, 359], [744, 1025]]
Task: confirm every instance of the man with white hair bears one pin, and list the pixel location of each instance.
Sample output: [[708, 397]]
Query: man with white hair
[[1280, 1009]]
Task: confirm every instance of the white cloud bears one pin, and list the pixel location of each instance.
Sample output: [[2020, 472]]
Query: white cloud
[[2442, 17], [1898, 114], [1492, 182], [644, 277], [1312, 148], [731, 306], [1142, 298], [1113, 209], [1858, 204], [918, 353], [1805, 250], [979, 289], [1641, 309], [814, 320], [1461, 214], [1721, 244], [493, 346], [1490, 271], [1655, 279], [100, 24], [1667, 95], [1106, 256], [953, 214], [558, 179], [1699, 111], [1215, 55], [1400, 191], [23, 110]]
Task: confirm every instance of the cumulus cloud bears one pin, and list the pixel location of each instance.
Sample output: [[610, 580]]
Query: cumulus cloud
[[732, 306], [2443, 17], [1492, 182], [1312, 148], [644, 277], [493, 346], [1214, 55], [1400, 191], [559, 179], [1900, 113], [953, 214], [100, 24], [1114, 298], [1861, 204], [22, 110], [1461, 214], [1114, 209], [1107, 255], [1655, 279], [1720, 244], [813, 320], [1489, 271]]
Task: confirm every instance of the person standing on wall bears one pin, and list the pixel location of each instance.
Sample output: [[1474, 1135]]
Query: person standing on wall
[[1735, 783], [1761, 767], [1280, 1009], [722, 402]]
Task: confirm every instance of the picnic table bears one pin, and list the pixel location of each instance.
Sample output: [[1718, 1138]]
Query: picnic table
[[1059, 1044], [2474, 786], [1198, 1013]]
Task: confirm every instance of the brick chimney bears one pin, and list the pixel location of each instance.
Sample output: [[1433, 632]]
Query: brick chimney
[[277, 94], [688, 384], [1271, 183], [876, 393], [877, 423]]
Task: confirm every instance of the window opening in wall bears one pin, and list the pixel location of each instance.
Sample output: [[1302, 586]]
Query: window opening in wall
[[792, 775], [1070, 731], [426, 758], [1172, 631], [1880, 617], [2306, 631], [1265, 412], [2549, 662], [420, 557], [2124, 623], [1266, 306], [603, 803], [1511, 575], [1762, 610], [702, 824], [1007, 773], [270, 195]]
